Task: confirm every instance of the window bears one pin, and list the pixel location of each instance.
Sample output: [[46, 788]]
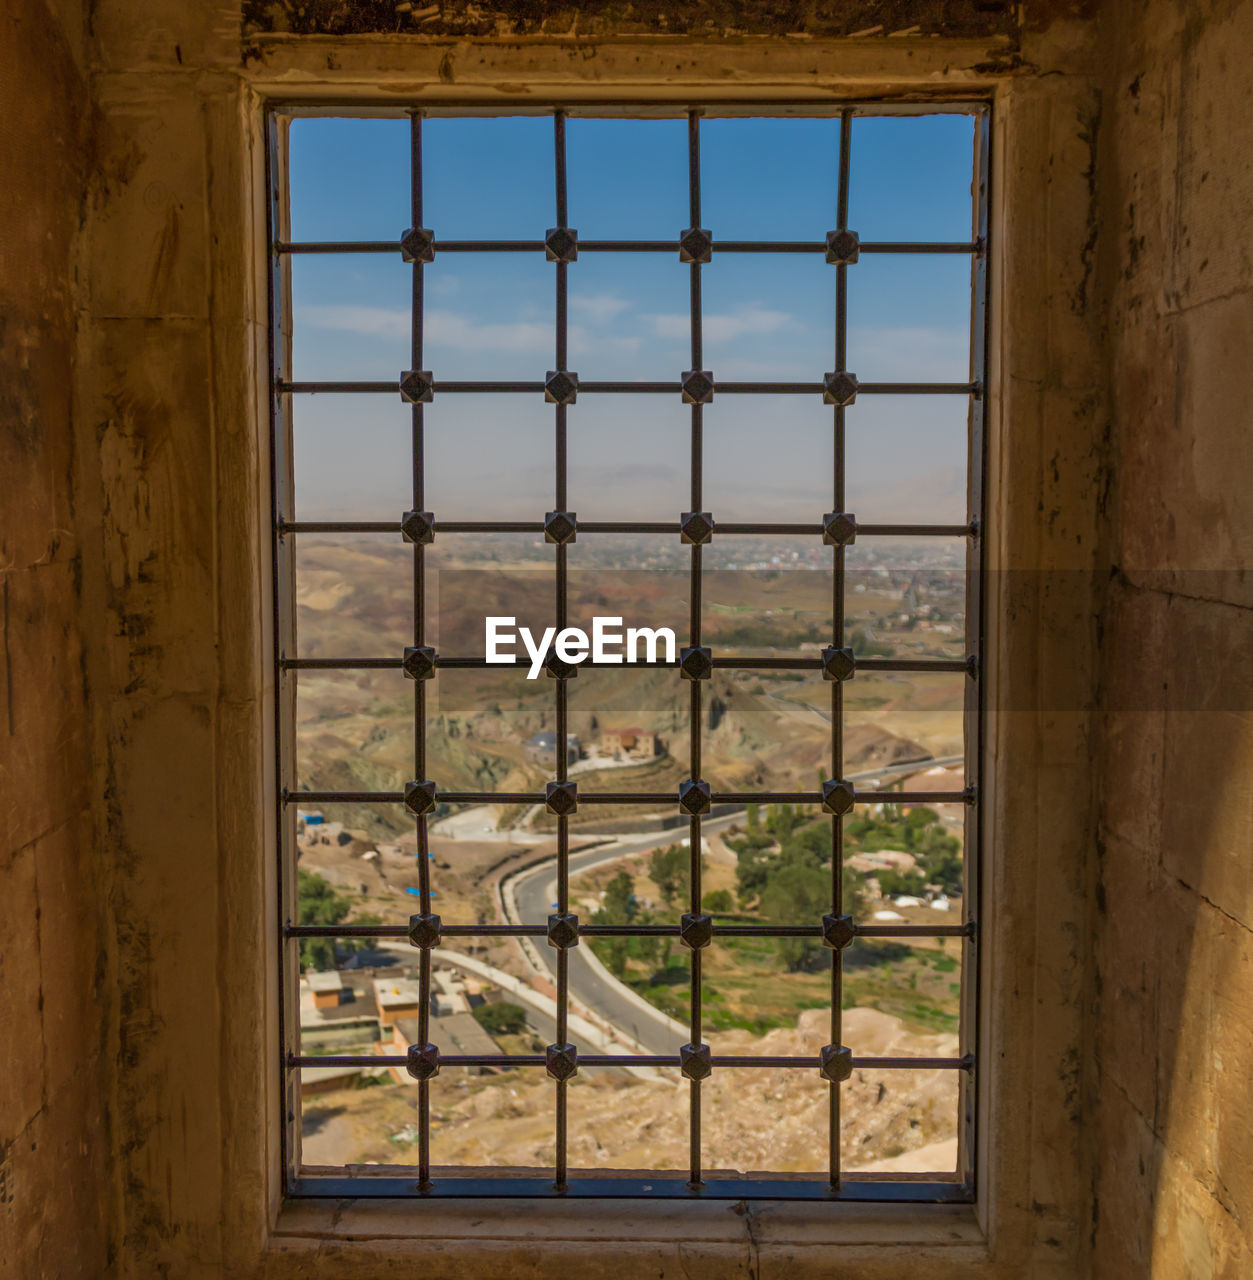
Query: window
[[595, 364]]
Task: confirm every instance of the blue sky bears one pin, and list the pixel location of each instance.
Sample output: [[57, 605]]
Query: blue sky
[[765, 316]]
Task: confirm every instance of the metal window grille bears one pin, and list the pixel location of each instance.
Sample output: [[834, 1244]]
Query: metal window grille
[[561, 386]]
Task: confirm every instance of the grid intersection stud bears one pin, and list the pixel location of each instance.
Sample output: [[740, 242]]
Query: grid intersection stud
[[561, 1061], [424, 931], [835, 1062], [839, 529], [561, 387], [697, 386], [694, 797], [418, 526], [561, 798], [560, 527], [839, 387], [420, 797], [563, 931], [696, 663], [418, 245], [561, 244], [838, 796], [838, 664], [843, 248], [694, 1061], [422, 1061], [418, 662], [696, 527], [417, 386], [695, 245], [696, 931], [838, 931], [558, 668]]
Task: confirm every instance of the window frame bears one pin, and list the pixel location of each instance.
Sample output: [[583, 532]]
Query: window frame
[[852, 1188]]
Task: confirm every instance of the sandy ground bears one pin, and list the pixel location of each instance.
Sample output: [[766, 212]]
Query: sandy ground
[[754, 1119]]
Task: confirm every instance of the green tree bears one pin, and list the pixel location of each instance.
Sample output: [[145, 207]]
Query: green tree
[[619, 907], [751, 814], [667, 868], [318, 903], [752, 870], [502, 1019], [798, 890], [717, 901], [797, 893], [893, 884], [943, 864], [782, 822]]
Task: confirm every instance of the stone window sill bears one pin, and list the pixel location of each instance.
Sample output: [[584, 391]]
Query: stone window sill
[[637, 1237]]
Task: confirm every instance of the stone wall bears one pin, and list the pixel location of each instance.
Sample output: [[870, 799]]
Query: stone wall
[[139, 1110], [1174, 1194], [55, 999]]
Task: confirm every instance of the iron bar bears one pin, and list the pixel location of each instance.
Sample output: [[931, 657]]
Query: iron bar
[[528, 387], [562, 610], [762, 529], [632, 797], [624, 246], [629, 930], [696, 499], [838, 640], [723, 662], [856, 1188], [417, 494], [297, 1062]]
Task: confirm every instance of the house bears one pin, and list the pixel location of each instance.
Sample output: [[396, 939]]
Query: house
[[328, 989], [396, 998], [542, 748], [630, 744], [456, 1034], [327, 1079]]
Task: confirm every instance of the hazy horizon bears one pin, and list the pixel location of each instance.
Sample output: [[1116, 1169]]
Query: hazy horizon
[[491, 316]]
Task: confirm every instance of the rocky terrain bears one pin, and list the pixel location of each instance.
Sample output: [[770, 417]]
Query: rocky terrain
[[753, 1119]]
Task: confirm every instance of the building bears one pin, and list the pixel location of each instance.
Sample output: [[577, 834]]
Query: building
[[396, 998], [629, 744], [327, 989], [455, 1033], [542, 748], [315, 1080]]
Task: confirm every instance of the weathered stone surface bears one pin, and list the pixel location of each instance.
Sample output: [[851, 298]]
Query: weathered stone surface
[[55, 1003], [616, 17], [1176, 888], [135, 914]]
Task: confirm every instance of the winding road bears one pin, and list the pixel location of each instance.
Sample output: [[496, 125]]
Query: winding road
[[534, 893]]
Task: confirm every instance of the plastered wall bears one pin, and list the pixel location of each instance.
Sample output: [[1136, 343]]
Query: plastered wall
[[1174, 1051], [134, 927]]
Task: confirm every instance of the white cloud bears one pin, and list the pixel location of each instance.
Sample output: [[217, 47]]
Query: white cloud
[[751, 318], [583, 342], [909, 354], [443, 286], [451, 329], [598, 308], [442, 329], [374, 322]]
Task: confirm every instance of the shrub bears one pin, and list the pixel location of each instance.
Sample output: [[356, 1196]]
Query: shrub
[[501, 1019]]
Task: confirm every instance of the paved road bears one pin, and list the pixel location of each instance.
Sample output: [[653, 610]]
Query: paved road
[[535, 892]]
